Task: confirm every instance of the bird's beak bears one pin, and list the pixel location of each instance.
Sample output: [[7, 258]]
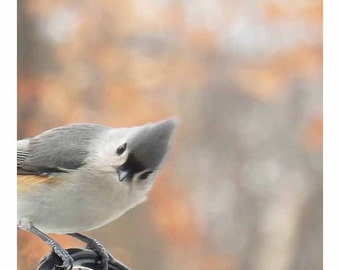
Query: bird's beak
[[123, 174]]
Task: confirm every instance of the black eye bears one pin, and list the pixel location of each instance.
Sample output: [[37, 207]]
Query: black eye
[[121, 149], [145, 175]]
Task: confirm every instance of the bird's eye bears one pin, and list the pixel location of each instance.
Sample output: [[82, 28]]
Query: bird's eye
[[145, 175], [121, 149]]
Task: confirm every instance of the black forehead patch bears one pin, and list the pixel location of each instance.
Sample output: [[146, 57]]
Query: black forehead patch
[[133, 165]]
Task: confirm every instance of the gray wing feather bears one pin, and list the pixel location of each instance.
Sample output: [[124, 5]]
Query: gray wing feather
[[22, 153], [57, 150]]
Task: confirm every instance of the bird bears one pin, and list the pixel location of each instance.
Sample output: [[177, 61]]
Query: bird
[[79, 177]]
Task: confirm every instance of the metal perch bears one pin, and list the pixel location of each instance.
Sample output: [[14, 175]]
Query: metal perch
[[83, 259]]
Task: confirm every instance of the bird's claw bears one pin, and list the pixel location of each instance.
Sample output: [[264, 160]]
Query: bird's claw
[[64, 256], [106, 257]]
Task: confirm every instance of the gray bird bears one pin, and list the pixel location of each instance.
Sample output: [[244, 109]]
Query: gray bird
[[80, 177]]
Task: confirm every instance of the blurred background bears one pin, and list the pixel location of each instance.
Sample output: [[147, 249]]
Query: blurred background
[[241, 188]]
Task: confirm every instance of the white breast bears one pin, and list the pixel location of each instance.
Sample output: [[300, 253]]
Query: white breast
[[82, 203]]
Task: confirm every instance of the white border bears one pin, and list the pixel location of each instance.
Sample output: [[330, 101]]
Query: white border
[[331, 135], [8, 94]]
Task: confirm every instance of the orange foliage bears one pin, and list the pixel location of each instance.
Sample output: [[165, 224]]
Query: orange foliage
[[267, 80], [273, 11], [309, 10], [203, 39], [174, 215], [264, 84], [312, 134]]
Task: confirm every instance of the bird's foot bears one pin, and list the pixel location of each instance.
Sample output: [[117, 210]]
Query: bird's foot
[[56, 248], [93, 244], [64, 256], [102, 252]]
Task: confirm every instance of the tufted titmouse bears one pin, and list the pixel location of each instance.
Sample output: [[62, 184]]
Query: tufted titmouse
[[80, 177]]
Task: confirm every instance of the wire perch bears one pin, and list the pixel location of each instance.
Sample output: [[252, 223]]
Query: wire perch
[[83, 259]]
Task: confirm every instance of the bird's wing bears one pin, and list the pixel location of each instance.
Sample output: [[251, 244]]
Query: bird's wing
[[57, 150]]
